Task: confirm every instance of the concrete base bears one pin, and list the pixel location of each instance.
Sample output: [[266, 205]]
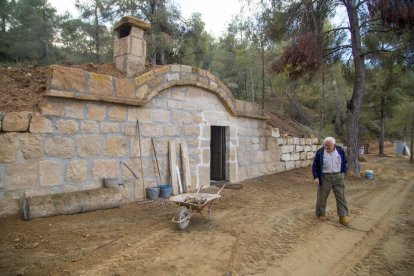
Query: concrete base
[[71, 203]]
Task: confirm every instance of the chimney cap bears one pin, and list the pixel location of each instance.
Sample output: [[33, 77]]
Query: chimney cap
[[132, 21]]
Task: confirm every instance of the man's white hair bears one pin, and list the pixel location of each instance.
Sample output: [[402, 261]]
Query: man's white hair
[[330, 139]]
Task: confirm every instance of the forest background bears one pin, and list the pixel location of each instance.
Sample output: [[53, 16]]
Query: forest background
[[292, 57]]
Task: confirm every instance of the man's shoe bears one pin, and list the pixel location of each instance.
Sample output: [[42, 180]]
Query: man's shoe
[[321, 218], [344, 220]]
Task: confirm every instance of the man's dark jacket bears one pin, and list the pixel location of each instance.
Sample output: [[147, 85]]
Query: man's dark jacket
[[318, 163]]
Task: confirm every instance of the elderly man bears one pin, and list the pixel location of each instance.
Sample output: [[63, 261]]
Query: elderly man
[[328, 169]]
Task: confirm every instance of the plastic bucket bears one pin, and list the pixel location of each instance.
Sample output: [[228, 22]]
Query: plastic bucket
[[399, 147], [165, 190], [369, 174], [153, 192], [361, 150]]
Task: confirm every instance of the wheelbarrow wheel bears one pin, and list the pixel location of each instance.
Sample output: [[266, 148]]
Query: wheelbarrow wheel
[[183, 216]]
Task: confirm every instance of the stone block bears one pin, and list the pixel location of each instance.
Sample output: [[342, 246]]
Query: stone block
[[296, 140], [68, 79], [61, 147], [203, 176], [122, 46], [9, 147], [99, 84], [173, 130], [275, 132], [75, 110], [192, 130], [281, 141], [21, 175], [205, 156], [175, 68], [295, 156], [286, 157], [16, 121], [110, 127], [182, 117], [142, 91], [146, 147], [310, 155], [76, 171], [67, 126], [217, 118], [129, 129], [31, 146], [88, 145], [290, 140], [137, 47], [116, 146], [139, 113], [233, 154], [172, 77], [40, 124], [302, 141], [197, 118], [102, 168], [290, 165], [50, 173], [206, 132], [174, 104], [95, 112], [117, 113], [89, 127], [125, 88], [299, 148], [162, 116], [156, 81], [150, 130], [52, 109]]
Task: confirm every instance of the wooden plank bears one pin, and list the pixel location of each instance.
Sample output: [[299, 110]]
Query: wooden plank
[[173, 165], [185, 159]]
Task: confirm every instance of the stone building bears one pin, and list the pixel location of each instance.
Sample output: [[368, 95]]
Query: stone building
[[89, 123]]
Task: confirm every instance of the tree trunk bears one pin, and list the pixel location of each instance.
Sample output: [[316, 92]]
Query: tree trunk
[[97, 40], [263, 75], [337, 126], [46, 36], [321, 123], [382, 133], [354, 105], [412, 139], [3, 24]]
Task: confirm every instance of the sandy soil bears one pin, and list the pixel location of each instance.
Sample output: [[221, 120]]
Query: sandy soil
[[266, 228]]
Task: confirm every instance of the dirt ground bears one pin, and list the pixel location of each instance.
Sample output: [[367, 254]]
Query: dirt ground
[[266, 228]]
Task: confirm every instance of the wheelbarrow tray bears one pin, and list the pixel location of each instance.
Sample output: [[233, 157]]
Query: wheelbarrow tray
[[182, 198]]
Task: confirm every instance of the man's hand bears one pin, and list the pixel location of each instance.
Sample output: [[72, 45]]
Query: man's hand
[[316, 181]]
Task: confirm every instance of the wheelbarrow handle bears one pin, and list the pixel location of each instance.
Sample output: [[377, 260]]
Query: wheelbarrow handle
[[222, 187]]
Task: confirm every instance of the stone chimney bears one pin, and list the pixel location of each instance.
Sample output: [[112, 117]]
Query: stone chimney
[[130, 48]]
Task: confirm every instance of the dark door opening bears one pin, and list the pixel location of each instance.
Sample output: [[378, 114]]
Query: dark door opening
[[218, 153]]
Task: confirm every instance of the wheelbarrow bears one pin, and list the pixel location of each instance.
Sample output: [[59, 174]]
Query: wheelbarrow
[[191, 203]]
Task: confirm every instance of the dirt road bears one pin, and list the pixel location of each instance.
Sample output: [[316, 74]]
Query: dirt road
[[266, 228]]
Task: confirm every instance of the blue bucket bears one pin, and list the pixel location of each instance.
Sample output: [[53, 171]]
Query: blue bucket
[[153, 192], [369, 174], [165, 190]]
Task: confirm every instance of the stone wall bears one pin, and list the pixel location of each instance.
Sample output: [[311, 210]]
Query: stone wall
[[88, 126]]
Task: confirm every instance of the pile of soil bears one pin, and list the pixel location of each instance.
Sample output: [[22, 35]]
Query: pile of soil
[[21, 88]]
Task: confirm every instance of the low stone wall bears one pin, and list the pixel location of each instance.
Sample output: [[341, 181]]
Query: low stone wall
[[75, 141]]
